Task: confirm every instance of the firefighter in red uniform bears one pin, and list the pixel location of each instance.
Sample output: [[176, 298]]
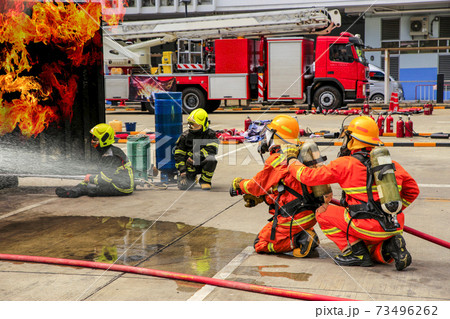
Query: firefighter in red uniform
[[362, 231], [291, 203]]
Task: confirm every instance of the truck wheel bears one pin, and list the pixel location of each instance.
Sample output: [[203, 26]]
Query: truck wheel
[[377, 98], [212, 105], [193, 98], [328, 98], [148, 106]]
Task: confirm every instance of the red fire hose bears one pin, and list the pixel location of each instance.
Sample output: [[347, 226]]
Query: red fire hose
[[176, 276], [412, 231]]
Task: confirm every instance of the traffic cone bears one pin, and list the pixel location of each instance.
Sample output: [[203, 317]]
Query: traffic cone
[[393, 103]]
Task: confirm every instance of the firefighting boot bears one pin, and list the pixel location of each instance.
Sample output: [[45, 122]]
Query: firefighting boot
[[72, 192], [305, 241], [357, 255], [395, 247]]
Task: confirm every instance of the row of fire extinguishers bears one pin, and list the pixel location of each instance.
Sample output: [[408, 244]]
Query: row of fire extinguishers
[[403, 129]]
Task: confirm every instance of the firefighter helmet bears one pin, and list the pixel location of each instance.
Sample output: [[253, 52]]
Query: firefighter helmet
[[285, 127], [199, 117], [104, 133], [364, 132]]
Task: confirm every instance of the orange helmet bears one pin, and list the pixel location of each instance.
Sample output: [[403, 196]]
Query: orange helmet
[[285, 127], [365, 133]]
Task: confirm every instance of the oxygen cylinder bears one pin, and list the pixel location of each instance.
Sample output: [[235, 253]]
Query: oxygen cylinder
[[390, 199], [400, 127], [409, 127], [380, 123], [389, 124], [310, 156]]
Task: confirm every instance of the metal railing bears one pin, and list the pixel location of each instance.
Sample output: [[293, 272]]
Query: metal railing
[[428, 92]]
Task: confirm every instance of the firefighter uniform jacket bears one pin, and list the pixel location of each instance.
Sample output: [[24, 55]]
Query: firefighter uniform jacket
[[208, 145], [115, 171]]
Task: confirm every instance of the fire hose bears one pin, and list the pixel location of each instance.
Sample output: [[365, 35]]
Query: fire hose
[[176, 276], [412, 231]]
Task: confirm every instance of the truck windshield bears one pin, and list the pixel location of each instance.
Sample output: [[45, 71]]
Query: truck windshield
[[360, 54]]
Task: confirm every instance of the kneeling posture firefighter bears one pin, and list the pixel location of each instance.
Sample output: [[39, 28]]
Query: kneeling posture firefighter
[[115, 173], [370, 225], [195, 152], [291, 203]]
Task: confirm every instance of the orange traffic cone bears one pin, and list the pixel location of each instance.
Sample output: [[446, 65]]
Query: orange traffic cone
[[393, 104]]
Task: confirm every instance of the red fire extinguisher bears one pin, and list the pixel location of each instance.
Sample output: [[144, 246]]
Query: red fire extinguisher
[[366, 108], [371, 116], [380, 123], [389, 124], [247, 123], [400, 127], [409, 127]]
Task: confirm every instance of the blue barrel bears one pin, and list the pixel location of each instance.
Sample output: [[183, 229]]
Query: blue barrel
[[168, 127]]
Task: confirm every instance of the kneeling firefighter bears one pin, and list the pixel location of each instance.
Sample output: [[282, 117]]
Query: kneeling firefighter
[[291, 203], [115, 174], [195, 152], [369, 227]]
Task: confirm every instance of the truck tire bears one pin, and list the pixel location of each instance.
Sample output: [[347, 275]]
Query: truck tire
[[327, 98], [377, 98], [212, 105], [148, 106], [193, 98]]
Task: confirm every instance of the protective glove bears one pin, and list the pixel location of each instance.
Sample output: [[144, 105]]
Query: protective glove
[[252, 201], [190, 162], [290, 151], [235, 189], [86, 178]]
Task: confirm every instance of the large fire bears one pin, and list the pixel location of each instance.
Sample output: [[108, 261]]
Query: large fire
[[35, 89]]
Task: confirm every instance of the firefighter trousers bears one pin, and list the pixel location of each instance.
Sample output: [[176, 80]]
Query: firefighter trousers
[[283, 241], [206, 169], [334, 222]]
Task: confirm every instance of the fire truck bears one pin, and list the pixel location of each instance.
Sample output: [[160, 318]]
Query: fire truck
[[258, 57]]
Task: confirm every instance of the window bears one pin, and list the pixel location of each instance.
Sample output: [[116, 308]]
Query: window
[[148, 3], [131, 3], [167, 3], [200, 2], [393, 70], [444, 65], [444, 27], [376, 75], [390, 29], [341, 53]]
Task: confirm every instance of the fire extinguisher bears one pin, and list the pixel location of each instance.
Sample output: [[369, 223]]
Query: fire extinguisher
[[400, 127], [389, 123], [366, 108], [247, 123], [371, 116], [409, 127], [380, 123]]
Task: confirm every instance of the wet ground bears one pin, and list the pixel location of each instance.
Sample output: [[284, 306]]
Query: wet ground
[[202, 233]]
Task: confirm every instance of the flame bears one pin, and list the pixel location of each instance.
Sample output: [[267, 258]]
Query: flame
[[114, 11], [44, 92]]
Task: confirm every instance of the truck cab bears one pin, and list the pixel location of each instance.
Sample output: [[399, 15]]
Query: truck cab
[[340, 72]]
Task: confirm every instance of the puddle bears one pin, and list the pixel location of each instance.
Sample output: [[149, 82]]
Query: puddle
[[298, 276], [126, 241]]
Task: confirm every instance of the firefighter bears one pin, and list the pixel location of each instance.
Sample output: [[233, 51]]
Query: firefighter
[[362, 230], [115, 173], [195, 152], [290, 202]]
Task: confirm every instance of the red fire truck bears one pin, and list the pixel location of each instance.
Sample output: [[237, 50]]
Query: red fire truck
[[253, 66]]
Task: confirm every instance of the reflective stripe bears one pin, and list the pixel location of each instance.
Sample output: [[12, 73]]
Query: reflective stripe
[[216, 145], [331, 231], [278, 160], [270, 248], [300, 221], [106, 178], [299, 172], [190, 154], [206, 179], [363, 190], [405, 202], [180, 152], [179, 163], [245, 186], [191, 169], [204, 152], [207, 173], [368, 232]]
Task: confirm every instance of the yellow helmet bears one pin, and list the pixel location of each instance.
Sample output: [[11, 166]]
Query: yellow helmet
[[104, 133], [365, 133], [200, 117], [285, 127]]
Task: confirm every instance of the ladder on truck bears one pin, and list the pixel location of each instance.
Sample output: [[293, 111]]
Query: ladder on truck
[[273, 23]]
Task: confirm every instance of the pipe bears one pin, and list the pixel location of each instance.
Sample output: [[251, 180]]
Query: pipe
[[177, 276], [412, 231]]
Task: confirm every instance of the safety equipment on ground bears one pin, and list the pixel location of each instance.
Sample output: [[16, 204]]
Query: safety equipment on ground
[[252, 201], [305, 242], [364, 132], [205, 186], [409, 131], [389, 123], [235, 188], [380, 124], [383, 171], [290, 151], [286, 128], [104, 133], [247, 123], [200, 117], [356, 255], [311, 157], [400, 127], [87, 177], [395, 247]]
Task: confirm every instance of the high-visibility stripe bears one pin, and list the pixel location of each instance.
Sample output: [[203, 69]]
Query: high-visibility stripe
[[106, 178], [204, 152], [278, 160], [216, 145], [300, 221], [331, 231], [368, 232], [206, 179], [270, 248], [179, 164], [180, 152], [245, 186], [299, 172], [363, 190], [405, 202]]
